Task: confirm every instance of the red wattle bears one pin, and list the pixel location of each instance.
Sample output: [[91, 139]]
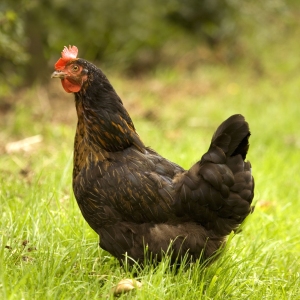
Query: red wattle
[[70, 87]]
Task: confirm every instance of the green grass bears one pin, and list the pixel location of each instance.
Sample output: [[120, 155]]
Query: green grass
[[47, 250]]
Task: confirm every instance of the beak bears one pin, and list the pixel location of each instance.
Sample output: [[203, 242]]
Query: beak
[[58, 74]]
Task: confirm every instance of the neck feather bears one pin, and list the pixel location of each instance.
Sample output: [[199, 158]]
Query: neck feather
[[103, 122]]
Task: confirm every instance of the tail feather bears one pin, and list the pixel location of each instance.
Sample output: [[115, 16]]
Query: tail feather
[[223, 189], [232, 136], [216, 192]]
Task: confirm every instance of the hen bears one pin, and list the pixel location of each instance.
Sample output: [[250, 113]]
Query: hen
[[133, 197]]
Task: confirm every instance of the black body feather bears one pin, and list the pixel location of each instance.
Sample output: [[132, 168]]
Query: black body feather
[[134, 198]]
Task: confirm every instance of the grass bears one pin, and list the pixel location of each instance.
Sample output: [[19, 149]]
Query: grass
[[47, 250]]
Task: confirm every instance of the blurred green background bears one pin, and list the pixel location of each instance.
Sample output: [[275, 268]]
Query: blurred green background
[[135, 36]]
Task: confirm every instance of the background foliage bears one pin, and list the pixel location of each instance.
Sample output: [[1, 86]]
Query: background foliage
[[129, 35]]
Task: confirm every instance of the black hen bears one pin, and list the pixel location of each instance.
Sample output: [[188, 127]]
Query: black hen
[[134, 198]]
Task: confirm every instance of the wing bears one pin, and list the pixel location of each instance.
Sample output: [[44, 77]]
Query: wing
[[129, 186]]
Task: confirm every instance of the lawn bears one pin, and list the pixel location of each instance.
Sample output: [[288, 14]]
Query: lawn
[[49, 252]]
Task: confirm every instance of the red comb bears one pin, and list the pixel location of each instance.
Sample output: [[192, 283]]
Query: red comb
[[66, 55]]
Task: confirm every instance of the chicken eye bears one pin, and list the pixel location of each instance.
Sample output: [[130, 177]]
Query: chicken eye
[[75, 68]]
